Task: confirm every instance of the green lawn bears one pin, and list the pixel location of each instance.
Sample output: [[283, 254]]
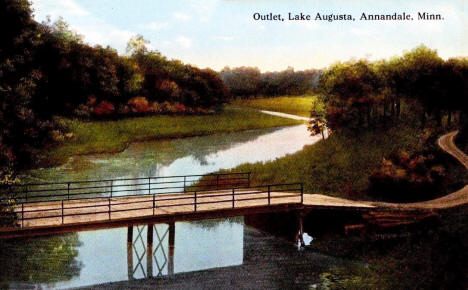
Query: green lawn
[[300, 106], [113, 136], [338, 165]]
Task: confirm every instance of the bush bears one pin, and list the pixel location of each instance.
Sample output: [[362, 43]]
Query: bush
[[140, 105], [7, 214], [179, 108], [104, 108], [83, 111], [408, 177]]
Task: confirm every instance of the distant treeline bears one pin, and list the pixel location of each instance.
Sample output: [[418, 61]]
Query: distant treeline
[[360, 94], [47, 70], [249, 82]]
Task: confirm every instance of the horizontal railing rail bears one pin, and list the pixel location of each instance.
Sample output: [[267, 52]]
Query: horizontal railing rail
[[55, 191], [137, 178], [195, 200]]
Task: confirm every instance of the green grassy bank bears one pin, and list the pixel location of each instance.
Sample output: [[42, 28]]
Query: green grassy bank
[[113, 136], [300, 106], [339, 165]]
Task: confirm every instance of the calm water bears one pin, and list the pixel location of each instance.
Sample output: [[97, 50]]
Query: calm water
[[229, 254], [226, 248], [195, 155]]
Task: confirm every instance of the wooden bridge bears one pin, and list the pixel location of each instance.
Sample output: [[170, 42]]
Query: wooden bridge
[[49, 208]]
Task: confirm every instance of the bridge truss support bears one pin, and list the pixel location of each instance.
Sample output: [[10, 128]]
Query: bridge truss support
[[157, 248]]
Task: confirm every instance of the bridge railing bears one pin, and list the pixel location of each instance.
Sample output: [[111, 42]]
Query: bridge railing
[[108, 208], [73, 190]]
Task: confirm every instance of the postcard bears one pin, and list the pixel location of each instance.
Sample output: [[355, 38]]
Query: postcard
[[233, 144]]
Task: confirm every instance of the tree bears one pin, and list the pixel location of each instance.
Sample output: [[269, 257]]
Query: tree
[[23, 131], [349, 90], [137, 45], [419, 72]]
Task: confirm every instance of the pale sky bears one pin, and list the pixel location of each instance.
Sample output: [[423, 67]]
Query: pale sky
[[218, 33]]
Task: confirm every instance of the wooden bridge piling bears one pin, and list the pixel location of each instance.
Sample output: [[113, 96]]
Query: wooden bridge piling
[[170, 262], [149, 250]]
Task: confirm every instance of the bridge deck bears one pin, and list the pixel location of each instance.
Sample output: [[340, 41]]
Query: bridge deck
[[62, 216], [105, 209], [40, 217]]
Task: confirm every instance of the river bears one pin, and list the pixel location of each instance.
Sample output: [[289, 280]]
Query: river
[[184, 156]]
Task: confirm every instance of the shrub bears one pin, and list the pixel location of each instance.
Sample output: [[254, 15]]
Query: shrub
[[166, 107], [104, 108], [8, 216], [178, 108], [140, 105], [408, 177], [83, 111]]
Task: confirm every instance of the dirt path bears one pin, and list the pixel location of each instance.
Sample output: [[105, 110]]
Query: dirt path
[[457, 198]]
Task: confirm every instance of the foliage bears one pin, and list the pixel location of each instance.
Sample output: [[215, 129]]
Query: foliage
[[104, 108], [40, 260], [360, 94], [408, 177], [7, 214], [46, 70], [172, 81], [248, 82], [23, 130]]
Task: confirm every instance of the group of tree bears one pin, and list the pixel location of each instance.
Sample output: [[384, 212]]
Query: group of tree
[[418, 87], [249, 82], [47, 70], [361, 94]]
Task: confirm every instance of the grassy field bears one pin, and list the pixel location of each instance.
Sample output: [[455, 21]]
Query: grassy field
[[113, 136], [300, 106], [339, 165]]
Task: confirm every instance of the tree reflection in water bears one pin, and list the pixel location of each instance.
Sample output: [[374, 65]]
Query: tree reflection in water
[[39, 260]]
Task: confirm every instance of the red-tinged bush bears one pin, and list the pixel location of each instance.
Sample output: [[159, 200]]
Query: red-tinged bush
[[405, 177], [104, 108], [179, 108]]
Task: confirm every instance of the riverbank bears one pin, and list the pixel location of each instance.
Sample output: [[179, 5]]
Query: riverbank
[[90, 137], [300, 105], [340, 165]]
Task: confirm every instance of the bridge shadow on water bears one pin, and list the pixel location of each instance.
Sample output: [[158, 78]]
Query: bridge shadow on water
[[239, 252], [157, 258]]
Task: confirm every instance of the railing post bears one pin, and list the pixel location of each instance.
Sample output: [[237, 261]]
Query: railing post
[[149, 185], [233, 198], [112, 188], [22, 214], [217, 182], [248, 180], [68, 191], [62, 211], [302, 193], [195, 203], [109, 208], [269, 202], [154, 202], [185, 177]]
